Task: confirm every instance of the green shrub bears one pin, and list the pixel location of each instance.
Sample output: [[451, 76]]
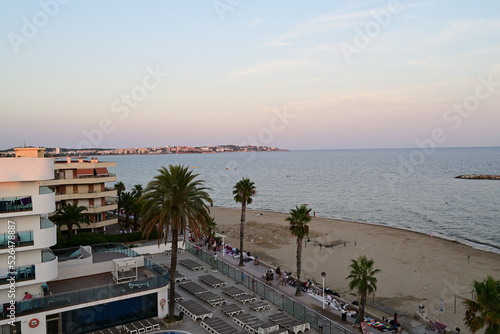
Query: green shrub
[[85, 239]]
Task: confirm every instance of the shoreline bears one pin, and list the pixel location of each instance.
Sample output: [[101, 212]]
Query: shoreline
[[466, 242], [415, 267]]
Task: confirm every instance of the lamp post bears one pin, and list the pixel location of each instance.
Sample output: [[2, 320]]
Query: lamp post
[[323, 274]]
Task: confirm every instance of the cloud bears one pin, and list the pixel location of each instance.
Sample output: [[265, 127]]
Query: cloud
[[278, 43], [293, 83], [275, 65], [253, 23]]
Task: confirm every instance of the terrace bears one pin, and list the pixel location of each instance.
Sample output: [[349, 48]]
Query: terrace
[[95, 287]]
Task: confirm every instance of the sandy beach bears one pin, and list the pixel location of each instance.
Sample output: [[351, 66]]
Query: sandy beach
[[416, 268]]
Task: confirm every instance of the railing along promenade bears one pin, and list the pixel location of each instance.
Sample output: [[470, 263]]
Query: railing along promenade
[[290, 305]]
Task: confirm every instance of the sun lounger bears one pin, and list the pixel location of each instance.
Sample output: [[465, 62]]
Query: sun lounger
[[194, 310], [262, 327], [259, 305], [193, 287], [130, 328], [289, 322], [243, 319], [153, 322], [218, 326], [147, 327], [192, 264], [178, 297], [231, 309], [244, 298], [212, 281], [211, 298], [233, 291]]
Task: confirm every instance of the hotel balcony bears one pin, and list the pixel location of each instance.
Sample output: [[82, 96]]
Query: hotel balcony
[[28, 205], [100, 209], [31, 273], [87, 195], [45, 237], [81, 180]]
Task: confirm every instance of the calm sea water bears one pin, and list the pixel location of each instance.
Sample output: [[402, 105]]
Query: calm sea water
[[403, 188]]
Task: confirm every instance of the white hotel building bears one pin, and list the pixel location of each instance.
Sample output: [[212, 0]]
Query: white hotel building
[[85, 289]]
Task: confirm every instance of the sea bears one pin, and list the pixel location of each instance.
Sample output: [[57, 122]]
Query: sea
[[413, 189]]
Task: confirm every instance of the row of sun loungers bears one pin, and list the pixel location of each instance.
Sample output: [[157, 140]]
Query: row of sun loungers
[[233, 291], [193, 287], [211, 298], [239, 294], [194, 310], [142, 326], [219, 326], [259, 305], [212, 281], [193, 265], [255, 325], [289, 322], [231, 309]]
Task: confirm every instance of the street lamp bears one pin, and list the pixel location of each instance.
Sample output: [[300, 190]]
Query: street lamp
[[323, 274]]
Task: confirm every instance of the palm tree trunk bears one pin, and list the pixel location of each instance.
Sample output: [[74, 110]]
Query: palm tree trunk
[[70, 230], [242, 230], [362, 311], [173, 268], [299, 265], [135, 222]]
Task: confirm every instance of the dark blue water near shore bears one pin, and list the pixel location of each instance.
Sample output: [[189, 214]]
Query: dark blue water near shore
[[404, 188]]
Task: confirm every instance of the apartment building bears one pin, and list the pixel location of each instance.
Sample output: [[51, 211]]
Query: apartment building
[[84, 289], [83, 182], [26, 233]]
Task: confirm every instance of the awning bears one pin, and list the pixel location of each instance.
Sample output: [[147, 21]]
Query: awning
[[102, 171], [89, 171]]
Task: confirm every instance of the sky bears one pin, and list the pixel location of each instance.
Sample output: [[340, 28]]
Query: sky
[[339, 74]]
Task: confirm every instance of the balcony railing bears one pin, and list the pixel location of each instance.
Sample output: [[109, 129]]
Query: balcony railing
[[19, 239], [15, 204], [47, 255], [17, 274]]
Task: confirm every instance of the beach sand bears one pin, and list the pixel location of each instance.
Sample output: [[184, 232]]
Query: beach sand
[[416, 268]]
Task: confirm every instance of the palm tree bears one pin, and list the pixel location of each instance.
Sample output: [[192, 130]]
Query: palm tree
[[120, 188], [128, 205], [137, 205], [243, 192], [137, 190], [173, 200], [362, 276], [210, 229], [69, 215], [485, 309], [299, 217]]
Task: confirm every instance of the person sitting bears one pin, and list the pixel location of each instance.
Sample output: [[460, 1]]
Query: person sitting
[[27, 296]]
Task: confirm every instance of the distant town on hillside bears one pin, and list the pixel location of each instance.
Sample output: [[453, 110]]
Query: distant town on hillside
[[56, 151]]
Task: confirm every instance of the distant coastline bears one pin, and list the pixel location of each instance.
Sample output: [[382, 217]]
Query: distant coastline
[[63, 152]]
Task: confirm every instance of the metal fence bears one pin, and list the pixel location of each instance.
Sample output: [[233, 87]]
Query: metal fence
[[294, 308]]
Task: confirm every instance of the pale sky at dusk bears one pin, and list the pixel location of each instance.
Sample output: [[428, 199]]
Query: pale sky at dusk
[[291, 74]]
